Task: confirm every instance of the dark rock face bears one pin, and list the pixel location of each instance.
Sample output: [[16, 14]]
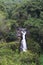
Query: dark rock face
[[19, 31]]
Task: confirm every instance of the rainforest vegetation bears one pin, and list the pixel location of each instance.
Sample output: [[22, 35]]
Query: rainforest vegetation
[[21, 13]]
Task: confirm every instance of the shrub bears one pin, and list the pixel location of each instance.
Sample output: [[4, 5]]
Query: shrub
[[11, 36], [13, 58], [33, 46], [28, 58]]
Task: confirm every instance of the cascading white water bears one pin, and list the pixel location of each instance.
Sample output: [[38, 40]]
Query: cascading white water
[[23, 41]]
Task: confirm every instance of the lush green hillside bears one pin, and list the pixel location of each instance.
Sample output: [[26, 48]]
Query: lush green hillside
[[21, 13]]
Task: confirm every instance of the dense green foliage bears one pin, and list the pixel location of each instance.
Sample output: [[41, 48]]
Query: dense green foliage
[[10, 56], [20, 13], [41, 59]]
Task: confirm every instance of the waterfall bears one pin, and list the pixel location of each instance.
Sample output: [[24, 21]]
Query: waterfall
[[23, 41]]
